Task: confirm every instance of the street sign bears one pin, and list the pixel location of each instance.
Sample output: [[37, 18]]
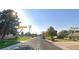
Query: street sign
[[21, 27]]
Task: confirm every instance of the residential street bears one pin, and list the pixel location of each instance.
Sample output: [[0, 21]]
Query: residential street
[[38, 43]]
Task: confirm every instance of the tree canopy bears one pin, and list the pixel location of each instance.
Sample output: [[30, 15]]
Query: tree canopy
[[8, 22], [51, 32], [63, 33]]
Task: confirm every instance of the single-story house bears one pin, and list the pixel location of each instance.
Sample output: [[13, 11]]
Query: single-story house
[[74, 35]]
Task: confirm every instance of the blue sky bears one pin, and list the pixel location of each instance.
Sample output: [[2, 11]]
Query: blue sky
[[60, 19]]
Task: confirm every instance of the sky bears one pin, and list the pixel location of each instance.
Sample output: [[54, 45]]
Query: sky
[[41, 19], [60, 19]]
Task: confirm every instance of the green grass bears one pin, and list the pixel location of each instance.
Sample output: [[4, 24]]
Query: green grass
[[23, 38], [7, 42]]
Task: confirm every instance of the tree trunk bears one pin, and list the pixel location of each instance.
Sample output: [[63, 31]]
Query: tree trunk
[[4, 31]]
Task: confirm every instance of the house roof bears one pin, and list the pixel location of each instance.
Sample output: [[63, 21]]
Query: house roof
[[74, 34]]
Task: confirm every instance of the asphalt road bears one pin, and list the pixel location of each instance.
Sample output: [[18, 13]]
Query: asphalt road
[[48, 46], [38, 43]]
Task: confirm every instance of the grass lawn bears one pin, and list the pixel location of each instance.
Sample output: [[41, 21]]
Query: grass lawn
[[8, 42], [23, 38]]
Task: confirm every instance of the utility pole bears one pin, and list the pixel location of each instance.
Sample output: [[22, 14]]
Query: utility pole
[[29, 28]]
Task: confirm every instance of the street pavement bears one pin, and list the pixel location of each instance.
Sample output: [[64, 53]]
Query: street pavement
[[38, 43]]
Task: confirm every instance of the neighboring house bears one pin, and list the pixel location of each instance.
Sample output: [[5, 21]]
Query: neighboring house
[[74, 35], [8, 36]]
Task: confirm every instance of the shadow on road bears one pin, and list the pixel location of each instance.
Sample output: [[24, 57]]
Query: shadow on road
[[50, 46], [27, 47]]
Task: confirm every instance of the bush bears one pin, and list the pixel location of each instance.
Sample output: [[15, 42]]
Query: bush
[[43, 36], [51, 38]]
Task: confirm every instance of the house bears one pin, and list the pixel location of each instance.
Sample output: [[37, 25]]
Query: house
[[74, 35]]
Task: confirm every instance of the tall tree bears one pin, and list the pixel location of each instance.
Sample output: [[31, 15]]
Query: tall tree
[[51, 32], [8, 22]]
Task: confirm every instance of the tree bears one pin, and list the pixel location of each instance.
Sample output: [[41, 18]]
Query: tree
[[22, 33], [51, 32], [63, 34], [44, 35], [8, 22]]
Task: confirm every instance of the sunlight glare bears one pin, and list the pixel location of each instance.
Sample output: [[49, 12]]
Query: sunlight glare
[[26, 21]]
